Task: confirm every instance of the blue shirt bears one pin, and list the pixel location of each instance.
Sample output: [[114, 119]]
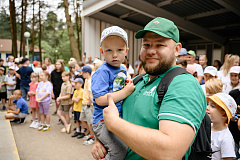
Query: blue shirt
[[25, 73], [22, 104], [107, 79]]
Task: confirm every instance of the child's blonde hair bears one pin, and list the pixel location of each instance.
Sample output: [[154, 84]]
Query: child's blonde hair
[[66, 73], [46, 74], [18, 91], [214, 86], [9, 57], [33, 74], [228, 63]]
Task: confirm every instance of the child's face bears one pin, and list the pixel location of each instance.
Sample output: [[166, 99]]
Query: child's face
[[43, 77], [11, 71], [215, 112], [16, 95], [85, 74], [234, 77], [202, 60], [65, 78], [114, 50], [34, 79], [58, 65], [1, 72], [207, 76], [77, 85], [72, 70]]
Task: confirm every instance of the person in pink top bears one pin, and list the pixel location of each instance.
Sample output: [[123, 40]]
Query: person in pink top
[[32, 100], [50, 66]]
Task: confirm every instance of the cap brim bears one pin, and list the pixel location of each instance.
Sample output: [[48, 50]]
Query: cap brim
[[141, 33], [209, 73], [218, 101]]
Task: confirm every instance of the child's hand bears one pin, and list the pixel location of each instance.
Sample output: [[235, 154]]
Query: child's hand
[[129, 87], [53, 96], [12, 97], [38, 100], [58, 99]]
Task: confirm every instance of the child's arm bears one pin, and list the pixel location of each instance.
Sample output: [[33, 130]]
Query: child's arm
[[43, 97], [90, 97], [117, 96], [15, 112], [68, 96]]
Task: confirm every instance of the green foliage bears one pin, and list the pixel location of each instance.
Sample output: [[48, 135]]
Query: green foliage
[[5, 28]]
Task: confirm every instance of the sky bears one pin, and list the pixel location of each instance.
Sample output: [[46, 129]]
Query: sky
[[53, 7]]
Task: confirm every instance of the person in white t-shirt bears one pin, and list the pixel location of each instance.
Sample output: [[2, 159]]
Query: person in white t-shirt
[[221, 108], [190, 60], [234, 78], [230, 61], [209, 73]]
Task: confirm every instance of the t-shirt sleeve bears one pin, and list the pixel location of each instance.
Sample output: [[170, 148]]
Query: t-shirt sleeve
[[100, 83], [227, 147], [5, 79], [69, 89], [14, 101], [199, 70], [184, 102]]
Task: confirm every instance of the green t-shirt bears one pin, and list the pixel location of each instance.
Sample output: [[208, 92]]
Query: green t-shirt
[[184, 102]]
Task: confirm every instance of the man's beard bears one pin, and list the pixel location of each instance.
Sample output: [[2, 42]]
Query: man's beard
[[160, 68]]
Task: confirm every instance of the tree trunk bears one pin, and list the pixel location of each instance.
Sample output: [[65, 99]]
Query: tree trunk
[[13, 27], [24, 27], [22, 33], [33, 33], [40, 32], [74, 48]]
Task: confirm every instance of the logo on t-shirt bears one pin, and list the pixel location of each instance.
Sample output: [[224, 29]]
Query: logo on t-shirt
[[119, 81], [150, 93]]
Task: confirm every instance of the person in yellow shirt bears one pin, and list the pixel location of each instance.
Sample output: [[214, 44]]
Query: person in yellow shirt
[[77, 106]]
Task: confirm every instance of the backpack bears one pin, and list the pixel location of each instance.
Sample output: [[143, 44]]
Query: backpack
[[201, 147]]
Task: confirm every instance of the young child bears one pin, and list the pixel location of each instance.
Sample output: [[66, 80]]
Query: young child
[[10, 81], [3, 91], [110, 79], [65, 102], [77, 106], [10, 61], [221, 108], [209, 73], [234, 77], [43, 97], [32, 101], [21, 110], [87, 108]]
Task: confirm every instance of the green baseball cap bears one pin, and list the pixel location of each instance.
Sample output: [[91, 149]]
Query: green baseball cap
[[191, 52], [162, 27]]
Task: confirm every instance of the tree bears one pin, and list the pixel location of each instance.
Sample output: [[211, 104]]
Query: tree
[[33, 23], [5, 28], [23, 27], [40, 31], [74, 48], [13, 26]]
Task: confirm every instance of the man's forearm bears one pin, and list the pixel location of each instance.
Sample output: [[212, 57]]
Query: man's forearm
[[148, 143]]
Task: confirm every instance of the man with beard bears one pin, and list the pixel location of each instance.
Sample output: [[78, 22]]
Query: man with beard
[[150, 130]]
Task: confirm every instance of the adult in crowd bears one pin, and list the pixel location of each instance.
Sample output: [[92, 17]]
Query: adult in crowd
[[50, 66], [191, 60], [89, 60], [230, 61], [217, 64], [25, 72], [182, 54], [203, 61], [1, 65], [171, 127]]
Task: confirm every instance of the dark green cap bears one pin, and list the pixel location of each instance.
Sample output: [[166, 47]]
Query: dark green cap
[[162, 27]]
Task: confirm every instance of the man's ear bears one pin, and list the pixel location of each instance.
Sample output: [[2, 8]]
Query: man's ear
[[177, 49]]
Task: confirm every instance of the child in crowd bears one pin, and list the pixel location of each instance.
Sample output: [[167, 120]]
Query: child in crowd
[[44, 67], [87, 108], [37, 67], [43, 97], [77, 107], [3, 91], [209, 73], [234, 78], [32, 100], [182, 63], [21, 111], [10, 81], [221, 108], [56, 79], [10, 61], [72, 71], [110, 79], [66, 101], [213, 86]]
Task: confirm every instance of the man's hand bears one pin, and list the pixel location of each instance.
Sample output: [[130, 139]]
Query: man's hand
[[98, 150], [110, 113]]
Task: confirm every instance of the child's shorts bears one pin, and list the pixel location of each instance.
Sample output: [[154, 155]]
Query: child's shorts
[[76, 116], [3, 95], [9, 93], [86, 114], [44, 107], [20, 115], [64, 108]]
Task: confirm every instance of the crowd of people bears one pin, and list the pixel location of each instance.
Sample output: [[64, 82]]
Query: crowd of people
[[94, 91]]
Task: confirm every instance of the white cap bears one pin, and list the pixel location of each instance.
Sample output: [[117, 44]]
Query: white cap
[[116, 31], [96, 61], [12, 67], [235, 69], [183, 52], [226, 102], [211, 70]]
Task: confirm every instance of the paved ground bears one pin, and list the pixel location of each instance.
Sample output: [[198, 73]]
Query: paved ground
[[51, 145]]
